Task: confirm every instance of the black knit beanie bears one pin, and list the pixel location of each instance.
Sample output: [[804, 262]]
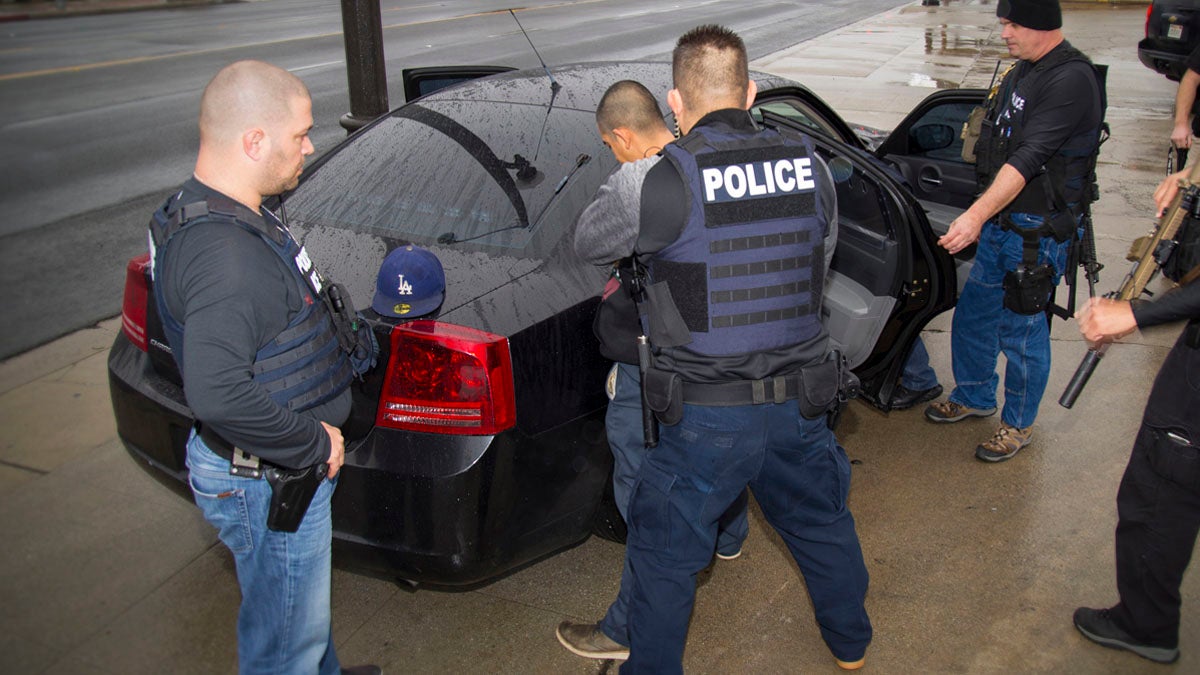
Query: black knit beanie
[[1035, 14]]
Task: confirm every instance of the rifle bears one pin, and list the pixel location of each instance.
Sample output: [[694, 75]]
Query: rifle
[[1148, 253]]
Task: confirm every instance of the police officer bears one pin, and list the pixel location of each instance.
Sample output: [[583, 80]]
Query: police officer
[[263, 368], [1034, 157], [1158, 503], [631, 125], [730, 223]]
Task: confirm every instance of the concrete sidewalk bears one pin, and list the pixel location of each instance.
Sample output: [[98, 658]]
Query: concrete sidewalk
[[974, 568]]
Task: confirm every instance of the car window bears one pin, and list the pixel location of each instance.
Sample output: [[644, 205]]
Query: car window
[[860, 199], [795, 111], [938, 133], [450, 172]]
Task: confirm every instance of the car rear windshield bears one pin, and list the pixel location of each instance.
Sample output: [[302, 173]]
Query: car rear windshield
[[450, 171]]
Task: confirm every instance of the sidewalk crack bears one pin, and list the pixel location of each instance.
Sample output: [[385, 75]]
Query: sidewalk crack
[[21, 467]]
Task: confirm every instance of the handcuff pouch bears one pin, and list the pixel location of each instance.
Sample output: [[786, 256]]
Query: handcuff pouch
[[664, 395]]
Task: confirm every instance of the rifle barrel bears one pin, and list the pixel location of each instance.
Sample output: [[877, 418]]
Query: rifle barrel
[[1082, 374]]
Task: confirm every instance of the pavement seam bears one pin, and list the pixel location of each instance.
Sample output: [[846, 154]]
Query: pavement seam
[[22, 467]]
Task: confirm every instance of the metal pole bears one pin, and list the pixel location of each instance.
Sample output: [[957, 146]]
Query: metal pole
[[362, 26]]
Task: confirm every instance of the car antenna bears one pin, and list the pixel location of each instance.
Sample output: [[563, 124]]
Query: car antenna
[[554, 85]]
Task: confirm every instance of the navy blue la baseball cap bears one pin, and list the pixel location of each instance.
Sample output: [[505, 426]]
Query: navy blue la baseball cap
[[410, 283]]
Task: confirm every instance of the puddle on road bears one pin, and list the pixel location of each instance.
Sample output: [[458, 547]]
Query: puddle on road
[[923, 80]]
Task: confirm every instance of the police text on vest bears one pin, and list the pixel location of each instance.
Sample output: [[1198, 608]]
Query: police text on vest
[[737, 181]]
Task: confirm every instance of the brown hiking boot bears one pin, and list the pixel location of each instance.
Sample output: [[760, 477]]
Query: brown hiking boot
[[587, 640], [944, 412], [1004, 443]]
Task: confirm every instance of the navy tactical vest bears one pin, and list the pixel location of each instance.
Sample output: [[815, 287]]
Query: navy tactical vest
[[745, 272], [303, 366]]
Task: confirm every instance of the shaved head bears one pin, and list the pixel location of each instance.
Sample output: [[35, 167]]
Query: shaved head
[[710, 69], [254, 124], [629, 104], [244, 95]]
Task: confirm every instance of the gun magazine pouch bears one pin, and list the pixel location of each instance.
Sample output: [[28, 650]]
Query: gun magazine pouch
[[1027, 289]]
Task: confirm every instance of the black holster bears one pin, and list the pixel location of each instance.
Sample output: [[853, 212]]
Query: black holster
[[847, 386], [292, 491], [1027, 289]]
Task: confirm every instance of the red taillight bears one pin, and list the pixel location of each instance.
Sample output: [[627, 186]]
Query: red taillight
[[133, 310], [1148, 10], [447, 379]]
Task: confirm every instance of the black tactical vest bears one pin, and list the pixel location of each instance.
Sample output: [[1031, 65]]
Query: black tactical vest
[[304, 366], [1066, 181]]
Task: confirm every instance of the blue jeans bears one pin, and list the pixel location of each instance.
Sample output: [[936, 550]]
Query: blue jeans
[[800, 477], [284, 620], [623, 423], [983, 327], [918, 375]]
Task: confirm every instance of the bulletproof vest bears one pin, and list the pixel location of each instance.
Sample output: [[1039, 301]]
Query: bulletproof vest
[[302, 367], [746, 270], [1064, 181]]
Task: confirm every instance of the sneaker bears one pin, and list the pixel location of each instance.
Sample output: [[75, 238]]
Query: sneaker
[[588, 641], [904, 398], [948, 411], [1004, 443], [1098, 626], [730, 556]]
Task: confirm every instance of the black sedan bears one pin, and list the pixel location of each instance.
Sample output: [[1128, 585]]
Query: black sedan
[[477, 445]]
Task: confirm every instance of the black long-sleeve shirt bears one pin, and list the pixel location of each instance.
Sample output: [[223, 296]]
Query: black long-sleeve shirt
[[1180, 304], [233, 295], [1058, 112]]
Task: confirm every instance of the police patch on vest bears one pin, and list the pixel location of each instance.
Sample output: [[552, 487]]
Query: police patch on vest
[[741, 186]]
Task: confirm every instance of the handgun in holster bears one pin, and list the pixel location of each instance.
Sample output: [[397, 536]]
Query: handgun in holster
[[292, 492]]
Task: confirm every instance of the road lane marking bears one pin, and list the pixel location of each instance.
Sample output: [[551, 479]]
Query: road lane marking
[[159, 57], [315, 65]]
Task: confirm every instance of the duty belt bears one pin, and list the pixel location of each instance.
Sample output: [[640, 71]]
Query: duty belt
[[778, 389], [241, 463]]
